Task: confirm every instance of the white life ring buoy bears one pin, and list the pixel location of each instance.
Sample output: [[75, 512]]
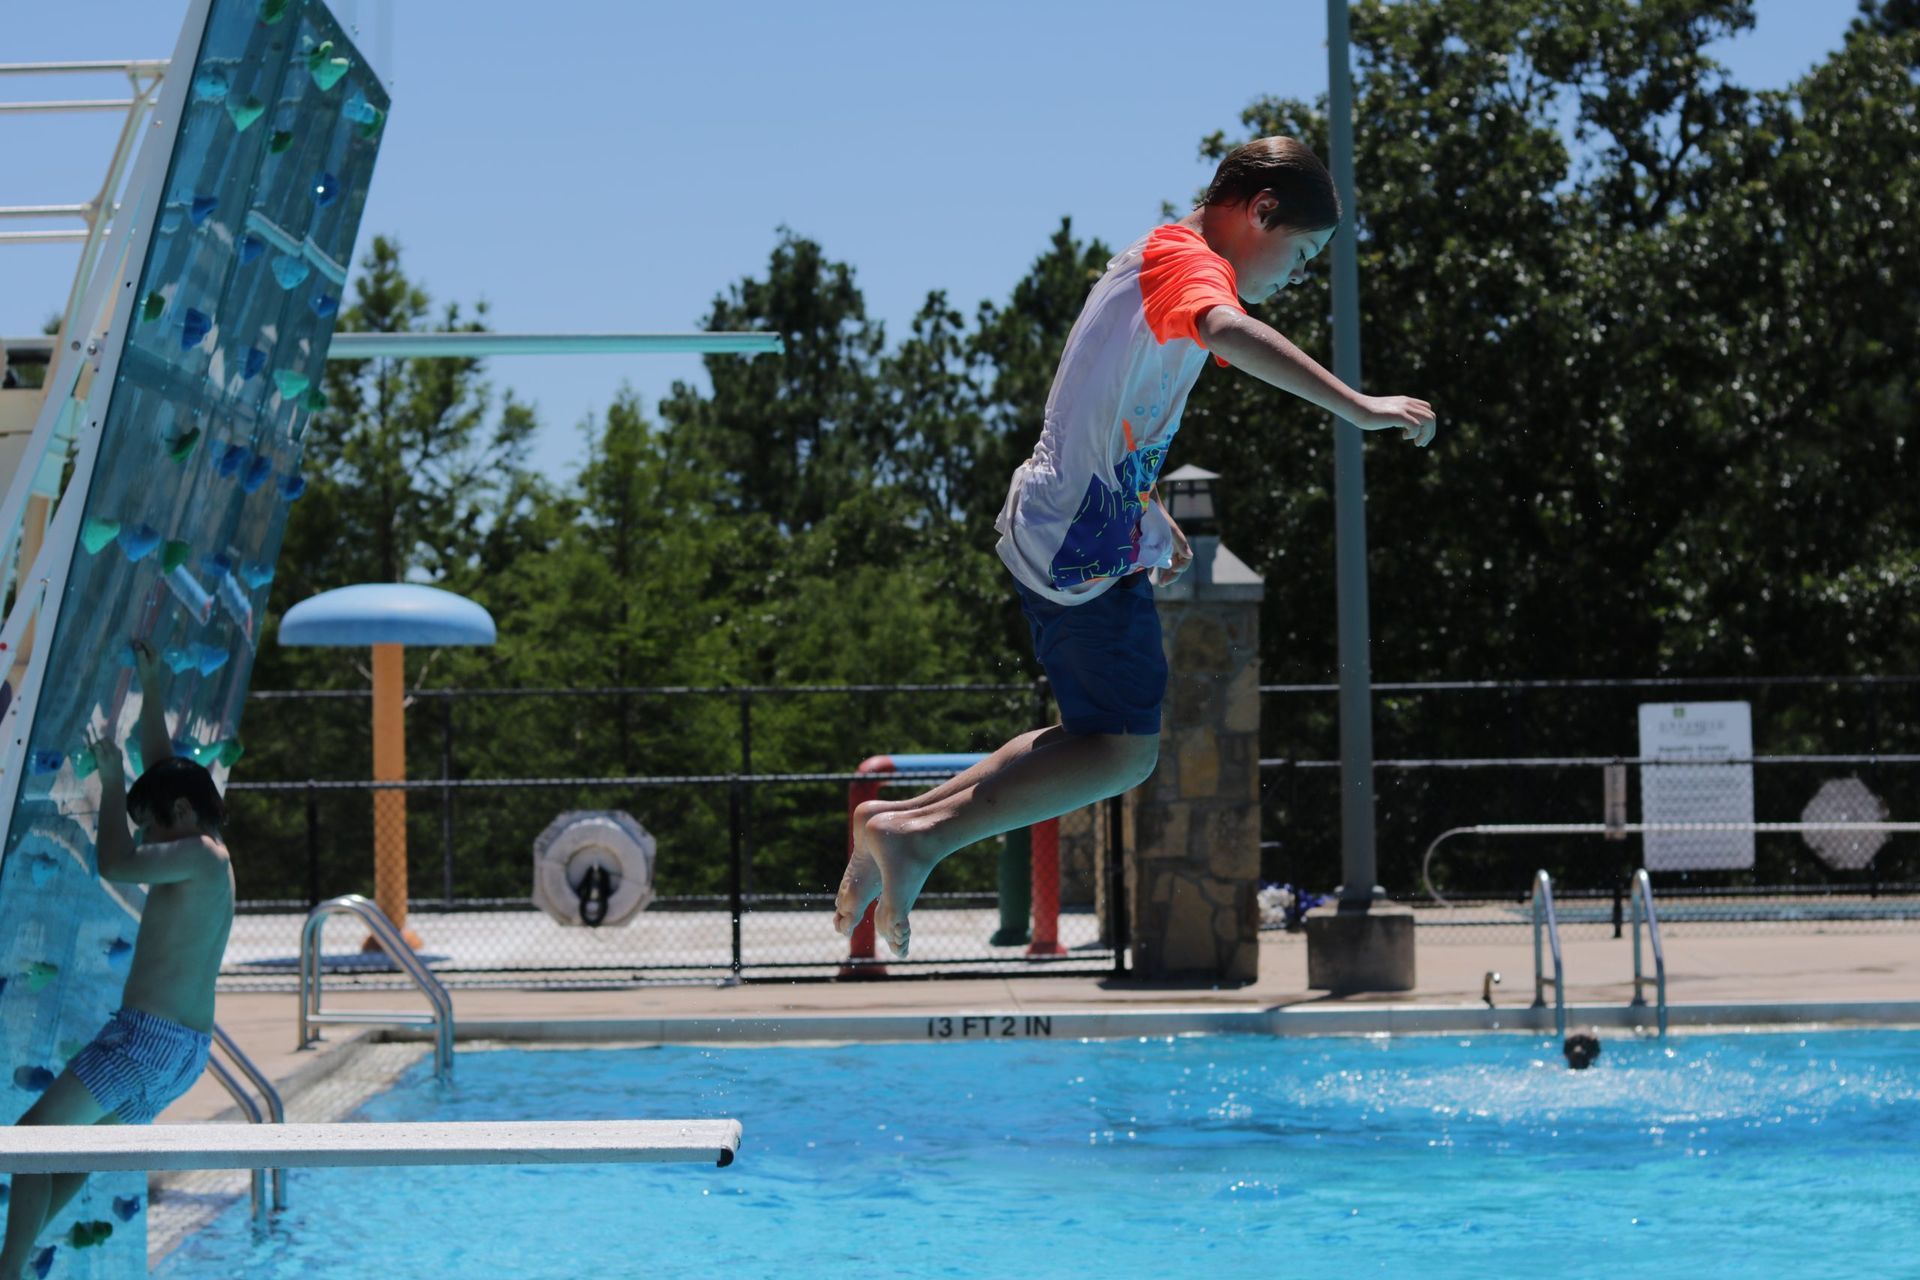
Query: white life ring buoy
[[599, 860]]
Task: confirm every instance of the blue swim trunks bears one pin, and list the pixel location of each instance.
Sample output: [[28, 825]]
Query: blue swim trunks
[[139, 1063], [1103, 658]]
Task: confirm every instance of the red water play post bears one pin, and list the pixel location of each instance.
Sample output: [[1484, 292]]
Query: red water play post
[[1046, 889]]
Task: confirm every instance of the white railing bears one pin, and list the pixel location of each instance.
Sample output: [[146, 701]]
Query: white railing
[[274, 1113], [389, 940], [1543, 918], [1643, 901]]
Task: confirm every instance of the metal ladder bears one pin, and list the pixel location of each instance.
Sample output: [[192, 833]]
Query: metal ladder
[[389, 939], [1642, 896], [275, 1113], [1543, 914]]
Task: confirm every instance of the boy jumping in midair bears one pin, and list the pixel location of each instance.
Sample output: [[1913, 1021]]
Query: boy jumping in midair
[[155, 1047], [1081, 523]]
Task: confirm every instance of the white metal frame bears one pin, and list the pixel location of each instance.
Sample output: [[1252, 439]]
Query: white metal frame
[[1643, 908], [1543, 918], [108, 293]]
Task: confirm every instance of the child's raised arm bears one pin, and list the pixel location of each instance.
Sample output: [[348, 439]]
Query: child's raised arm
[[113, 842], [1260, 349], [156, 744]]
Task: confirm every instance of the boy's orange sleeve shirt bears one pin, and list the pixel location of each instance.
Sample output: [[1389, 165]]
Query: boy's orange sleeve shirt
[[1181, 279]]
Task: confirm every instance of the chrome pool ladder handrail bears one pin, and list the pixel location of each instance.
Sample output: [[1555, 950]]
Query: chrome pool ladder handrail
[[275, 1113], [1542, 907], [1642, 898], [389, 940]]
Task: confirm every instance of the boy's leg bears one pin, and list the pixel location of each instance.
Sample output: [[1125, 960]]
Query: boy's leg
[[861, 884], [35, 1197], [1052, 777]]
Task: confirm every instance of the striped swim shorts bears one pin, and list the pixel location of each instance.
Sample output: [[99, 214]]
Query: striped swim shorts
[[139, 1063]]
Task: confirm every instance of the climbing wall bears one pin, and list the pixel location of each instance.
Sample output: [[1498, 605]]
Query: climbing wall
[[209, 369]]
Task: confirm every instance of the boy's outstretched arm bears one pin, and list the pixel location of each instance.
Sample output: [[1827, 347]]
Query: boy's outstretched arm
[[1261, 350], [156, 744]]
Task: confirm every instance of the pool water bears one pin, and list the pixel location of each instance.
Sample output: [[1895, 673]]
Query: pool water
[[1740, 1155]]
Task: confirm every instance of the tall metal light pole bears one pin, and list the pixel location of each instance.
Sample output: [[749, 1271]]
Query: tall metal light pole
[[1357, 864]]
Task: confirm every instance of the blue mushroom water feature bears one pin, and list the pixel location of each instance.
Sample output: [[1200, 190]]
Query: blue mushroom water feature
[[388, 616]]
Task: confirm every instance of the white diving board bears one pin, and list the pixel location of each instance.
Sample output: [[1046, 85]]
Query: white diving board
[[417, 346], [103, 1148]]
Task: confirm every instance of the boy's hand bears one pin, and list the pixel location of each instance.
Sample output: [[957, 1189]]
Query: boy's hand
[[106, 758], [1182, 557], [1413, 418], [147, 661]]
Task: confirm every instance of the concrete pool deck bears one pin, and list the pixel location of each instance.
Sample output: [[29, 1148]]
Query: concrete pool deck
[[1762, 968]]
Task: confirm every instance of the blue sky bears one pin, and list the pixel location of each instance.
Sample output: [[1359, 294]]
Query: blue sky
[[612, 164]]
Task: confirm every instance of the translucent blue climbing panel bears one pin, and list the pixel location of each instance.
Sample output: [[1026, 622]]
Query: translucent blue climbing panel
[[172, 439]]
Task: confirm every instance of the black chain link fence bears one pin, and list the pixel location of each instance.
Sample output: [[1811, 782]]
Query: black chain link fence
[[1463, 754], [747, 861]]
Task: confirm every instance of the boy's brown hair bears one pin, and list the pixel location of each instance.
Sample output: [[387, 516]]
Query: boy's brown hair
[[1288, 170]]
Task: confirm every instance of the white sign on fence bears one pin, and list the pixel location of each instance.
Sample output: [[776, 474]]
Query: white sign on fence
[[1689, 791]]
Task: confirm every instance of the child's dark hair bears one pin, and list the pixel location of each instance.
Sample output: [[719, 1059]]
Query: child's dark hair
[[1286, 168], [177, 778]]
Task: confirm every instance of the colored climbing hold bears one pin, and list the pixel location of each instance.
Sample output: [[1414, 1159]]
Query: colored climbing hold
[[293, 486], [271, 11], [289, 270], [325, 188], [43, 1260], [84, 1235], [370, 129], [357, 108], [279, 140], [256, 473], [202, 208], [174, 554], [219, 564], [154, 304], [138, 541], [34, 1079], [324, 304], [258, 574], [316, 400], [39, 973], [194, 327], [291, 382], [96, 533], [192, 596], [41, 868], [179, 660], [126, 1208], [245, 113], [181, 446], [211, 658], [233, 598], [230, 752], [210, 85], [326, 69], [255, 362], [230, 459], [119, 955], [85, 765], [44, 762], [251, 246]]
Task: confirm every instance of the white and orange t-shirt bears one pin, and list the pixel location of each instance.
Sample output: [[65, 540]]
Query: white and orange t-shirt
[[1079, 513]]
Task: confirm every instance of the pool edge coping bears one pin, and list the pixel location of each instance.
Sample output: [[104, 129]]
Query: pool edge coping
[[1106, 1024]]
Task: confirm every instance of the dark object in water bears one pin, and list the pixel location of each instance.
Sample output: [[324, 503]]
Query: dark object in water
[[1581, 1048]]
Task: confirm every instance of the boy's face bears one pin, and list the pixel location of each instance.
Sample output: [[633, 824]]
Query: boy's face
[[1275, 257]]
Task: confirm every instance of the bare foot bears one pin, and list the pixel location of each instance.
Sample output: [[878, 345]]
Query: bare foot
[[861, 884], [901, 847]]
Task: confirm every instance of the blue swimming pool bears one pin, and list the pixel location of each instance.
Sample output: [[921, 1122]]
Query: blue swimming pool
[[1750, 1155]]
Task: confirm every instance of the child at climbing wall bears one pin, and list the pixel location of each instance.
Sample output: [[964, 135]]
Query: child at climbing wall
[[1081, 525], [154, 1048]]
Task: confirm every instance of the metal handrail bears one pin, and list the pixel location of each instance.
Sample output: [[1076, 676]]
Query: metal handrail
[[390, 941], [276, 1113], [1642, 896], [1543, 913]]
